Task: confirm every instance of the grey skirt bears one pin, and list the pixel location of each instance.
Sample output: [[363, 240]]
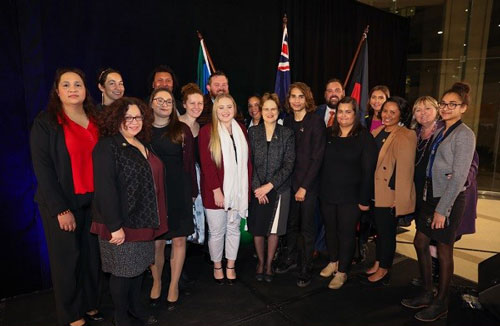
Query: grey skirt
[[129, 259]]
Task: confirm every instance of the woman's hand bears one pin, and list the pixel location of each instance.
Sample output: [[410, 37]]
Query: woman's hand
[[263, 190], [438, 221], [218, 198], [363, 208], [67, 221], [117, 237], [263, 200], [300, 195]]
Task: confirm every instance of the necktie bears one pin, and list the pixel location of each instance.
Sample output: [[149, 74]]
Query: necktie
[[330, 119]]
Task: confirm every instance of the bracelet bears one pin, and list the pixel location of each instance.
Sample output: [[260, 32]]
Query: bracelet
[[64, 212]]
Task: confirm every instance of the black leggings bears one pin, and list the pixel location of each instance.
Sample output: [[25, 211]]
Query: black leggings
[[386, 224], [126, 295], [340, 226]]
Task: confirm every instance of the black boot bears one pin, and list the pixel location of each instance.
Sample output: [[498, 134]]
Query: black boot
[[438, 309], [420, 301]]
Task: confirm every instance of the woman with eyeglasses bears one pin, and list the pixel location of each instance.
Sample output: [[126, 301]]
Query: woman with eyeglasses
[[110, 83], [394, 187], [129, 204], [450, 158], [172, 142], [62, 139], [226, 170]]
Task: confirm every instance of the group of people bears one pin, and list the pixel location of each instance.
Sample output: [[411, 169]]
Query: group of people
[[117, 180]]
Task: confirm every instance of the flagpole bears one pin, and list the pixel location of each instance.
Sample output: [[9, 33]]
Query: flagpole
[[363, 38], [206, 51]]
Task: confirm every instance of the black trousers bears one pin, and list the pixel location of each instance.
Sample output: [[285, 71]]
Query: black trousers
[[386, 224], [74, 264], [127, 298], [340, 226], [300, 229]]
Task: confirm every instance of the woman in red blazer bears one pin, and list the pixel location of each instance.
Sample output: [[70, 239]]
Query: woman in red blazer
[[225, 183]]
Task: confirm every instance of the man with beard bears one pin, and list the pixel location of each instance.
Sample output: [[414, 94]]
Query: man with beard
[[217, 84], [334, 92], [164, 77]]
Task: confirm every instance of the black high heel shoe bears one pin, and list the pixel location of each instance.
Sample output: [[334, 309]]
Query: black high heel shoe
[[95, 317], [219, 281], [230, 281], [171, 305], [154, 302]]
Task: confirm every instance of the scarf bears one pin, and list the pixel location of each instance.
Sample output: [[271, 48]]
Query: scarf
[[235, 185]]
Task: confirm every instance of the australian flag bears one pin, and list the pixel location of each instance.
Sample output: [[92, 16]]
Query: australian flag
[[283, 73]]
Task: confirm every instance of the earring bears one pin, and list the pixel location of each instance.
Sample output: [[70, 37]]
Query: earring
[[102, 98]]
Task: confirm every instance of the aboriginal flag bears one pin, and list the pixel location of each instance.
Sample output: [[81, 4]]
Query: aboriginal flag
[[358, 86]]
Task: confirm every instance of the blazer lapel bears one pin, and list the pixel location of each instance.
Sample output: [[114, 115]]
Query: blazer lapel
[[387, 144]]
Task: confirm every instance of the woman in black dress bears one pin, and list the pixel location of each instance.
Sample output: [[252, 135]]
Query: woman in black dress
[[172, 141], [273, 157], [346, 186]]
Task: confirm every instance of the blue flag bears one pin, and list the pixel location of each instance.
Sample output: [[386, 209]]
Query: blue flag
[[283, 73]]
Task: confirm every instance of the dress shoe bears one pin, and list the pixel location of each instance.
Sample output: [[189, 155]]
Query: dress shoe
[[337, 281], [286, 266], [230, 281], [383, 281], [219, 281], [171, 305], [95, 317], [259, 277], [268, 277], [330, 269], [305, 277], [423, 300], [438, 309], [154, 302]]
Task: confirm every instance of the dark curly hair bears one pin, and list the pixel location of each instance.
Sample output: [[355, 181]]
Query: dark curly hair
[[55, 107], [405, 112], [114, 116], [306, 90]]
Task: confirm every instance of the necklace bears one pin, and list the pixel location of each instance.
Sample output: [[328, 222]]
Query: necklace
[[160, 126], [423, 143]]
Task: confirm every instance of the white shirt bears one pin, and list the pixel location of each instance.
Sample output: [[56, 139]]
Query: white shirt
[[327, 114]]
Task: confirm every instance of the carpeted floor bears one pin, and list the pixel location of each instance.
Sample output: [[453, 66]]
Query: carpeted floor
[[249, 302]]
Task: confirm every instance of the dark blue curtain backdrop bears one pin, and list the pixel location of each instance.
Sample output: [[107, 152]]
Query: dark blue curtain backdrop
[[243, 37]]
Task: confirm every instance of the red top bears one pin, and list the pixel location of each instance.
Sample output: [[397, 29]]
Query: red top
[[212, 177], [80, 142]]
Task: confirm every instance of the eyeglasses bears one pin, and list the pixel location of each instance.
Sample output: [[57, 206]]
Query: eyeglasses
[[161, 101], [450, 106], [129, 119]]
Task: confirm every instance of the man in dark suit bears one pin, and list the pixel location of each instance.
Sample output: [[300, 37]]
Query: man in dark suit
[[334, 92], [218, 83], [309, 131], [164, 77]]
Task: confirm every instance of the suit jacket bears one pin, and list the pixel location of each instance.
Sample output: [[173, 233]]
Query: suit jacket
[[52, 166], [309, 149], [212, 177], [451, 166], [273, 164], [320, 110], [397, 155]]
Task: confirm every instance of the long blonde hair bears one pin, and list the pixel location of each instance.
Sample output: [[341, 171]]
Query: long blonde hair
[[214, 145]]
